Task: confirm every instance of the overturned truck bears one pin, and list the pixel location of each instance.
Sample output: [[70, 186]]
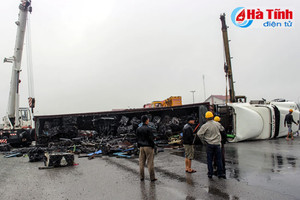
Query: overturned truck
[[257, 120], [165, 121]]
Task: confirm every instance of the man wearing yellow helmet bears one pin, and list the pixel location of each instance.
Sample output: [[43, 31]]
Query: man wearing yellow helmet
[[288, 121], [210, 133]]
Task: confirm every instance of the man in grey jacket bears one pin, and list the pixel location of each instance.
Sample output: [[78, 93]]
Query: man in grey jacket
[[210, 133]]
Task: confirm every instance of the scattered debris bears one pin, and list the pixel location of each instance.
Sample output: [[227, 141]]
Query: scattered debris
[[13, 155], [5, 147], [175, 140], [36, 154], [93, 135], [58, 159]]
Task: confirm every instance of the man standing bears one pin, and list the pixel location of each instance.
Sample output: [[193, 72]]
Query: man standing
[[210, 133], [223, 141], [145, 140], [288, 121], [188, 140]]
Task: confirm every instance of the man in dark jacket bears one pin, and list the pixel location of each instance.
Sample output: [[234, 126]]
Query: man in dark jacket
[[288, 121], [188, 144], [145, 140]]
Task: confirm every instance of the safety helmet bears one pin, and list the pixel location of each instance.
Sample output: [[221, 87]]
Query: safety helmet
[[217, 118], [209, 114], [291, 110]]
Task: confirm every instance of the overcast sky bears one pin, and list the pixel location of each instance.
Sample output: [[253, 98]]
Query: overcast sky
[[98, 55]]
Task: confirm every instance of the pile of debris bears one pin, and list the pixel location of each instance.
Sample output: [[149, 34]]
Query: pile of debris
[[110, 146], [110, 136], [108, 127], [5, 147]]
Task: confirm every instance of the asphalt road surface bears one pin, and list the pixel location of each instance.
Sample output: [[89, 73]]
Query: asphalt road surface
[[255, 170]]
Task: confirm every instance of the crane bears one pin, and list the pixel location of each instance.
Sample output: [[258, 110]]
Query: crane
[[17, 123], [227, 65]]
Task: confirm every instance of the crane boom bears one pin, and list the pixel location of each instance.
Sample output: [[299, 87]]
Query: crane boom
[[13, 102], [227, 64], [17, 128]]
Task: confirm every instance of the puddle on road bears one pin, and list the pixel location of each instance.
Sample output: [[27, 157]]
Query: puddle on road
[[157, 169], [218, 193], [245, 159], [280, 163], [232, 169], [148, 191]]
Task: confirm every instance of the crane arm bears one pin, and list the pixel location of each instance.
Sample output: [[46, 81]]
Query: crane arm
[[13, 102], [227, 64]]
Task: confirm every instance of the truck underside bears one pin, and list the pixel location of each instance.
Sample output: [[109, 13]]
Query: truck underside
[[166, 121]]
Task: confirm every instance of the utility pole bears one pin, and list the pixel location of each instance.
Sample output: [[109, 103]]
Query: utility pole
[[204, 87], [193, 91]]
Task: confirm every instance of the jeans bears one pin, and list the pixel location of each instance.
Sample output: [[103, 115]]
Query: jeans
[[212, 150], [223, 159]]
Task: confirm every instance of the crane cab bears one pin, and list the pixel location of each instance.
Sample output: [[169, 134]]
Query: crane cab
[[22, 135], [25, 118]]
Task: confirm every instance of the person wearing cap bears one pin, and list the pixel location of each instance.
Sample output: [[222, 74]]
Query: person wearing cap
[[288, 120], [210, 133], [188, 140], [223, 141], [145, 141]]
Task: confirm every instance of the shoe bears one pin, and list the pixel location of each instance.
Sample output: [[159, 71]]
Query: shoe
[[142, 179], [287, 139], [209, 176], [292, 138], [154, 180], [192, 171]]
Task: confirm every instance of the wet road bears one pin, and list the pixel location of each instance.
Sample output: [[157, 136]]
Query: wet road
[[255, 170]]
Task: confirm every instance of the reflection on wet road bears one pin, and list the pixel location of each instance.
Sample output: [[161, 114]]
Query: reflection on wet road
[[255, 170], [270, 164], [273, 155], [149, 192]]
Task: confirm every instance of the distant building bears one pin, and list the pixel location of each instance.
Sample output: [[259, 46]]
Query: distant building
[[217, 99]]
